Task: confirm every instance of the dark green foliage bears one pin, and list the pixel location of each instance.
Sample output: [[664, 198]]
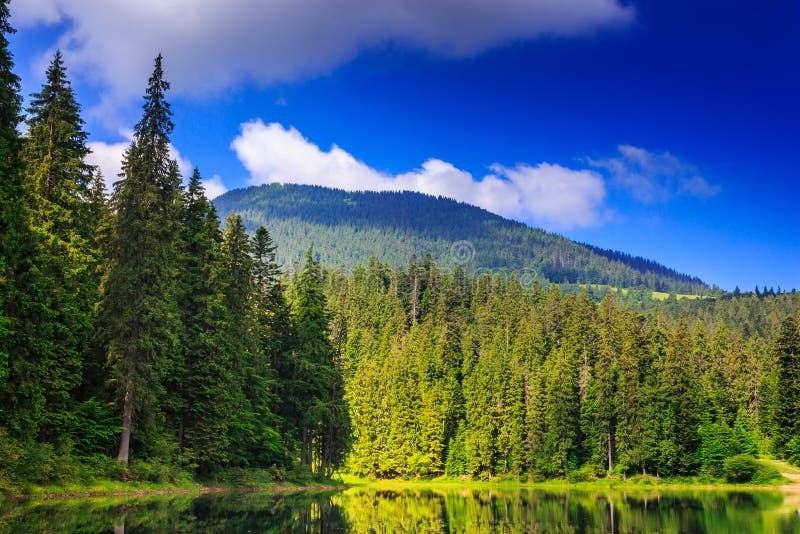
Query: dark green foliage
[[316, 386], [245, 386], [275, 338], [348, 227], [740, 468], [202, 374], [138, 312], [787, 352], [59, 323], [15, 234], [490, 380], [93, 428], [791, 451]]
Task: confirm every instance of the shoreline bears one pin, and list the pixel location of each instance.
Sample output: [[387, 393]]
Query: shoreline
[[455, 484], [563, 485], [152, 492]]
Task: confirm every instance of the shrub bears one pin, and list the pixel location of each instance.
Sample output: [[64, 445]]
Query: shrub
[[765, 474], [94, 427], [740, 468], [717, 443], [584, 474], [791, 450], [157, 471]]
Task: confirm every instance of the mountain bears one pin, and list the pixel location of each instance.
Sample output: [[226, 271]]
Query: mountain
[[346, 228]]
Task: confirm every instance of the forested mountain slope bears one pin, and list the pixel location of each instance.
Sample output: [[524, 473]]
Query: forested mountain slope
[[347, 227]]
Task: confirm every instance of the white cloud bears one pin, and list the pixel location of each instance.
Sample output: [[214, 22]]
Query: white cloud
[[546, 194], [184, 165], [651, 177], [697, 186], [210, 45], [559, 195], [108, 158], [214, 186], [29, 12]]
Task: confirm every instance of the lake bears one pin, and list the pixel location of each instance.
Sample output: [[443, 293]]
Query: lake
[[367, 509]]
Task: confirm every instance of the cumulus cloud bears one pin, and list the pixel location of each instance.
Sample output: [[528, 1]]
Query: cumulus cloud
[[547, 194], [652, 177], [211, 45], [557, 194], [108, 158], [214, 186]]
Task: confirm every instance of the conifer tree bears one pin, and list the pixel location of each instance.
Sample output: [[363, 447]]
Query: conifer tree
[[680, 417], [317, 388], [201, 378], [10, 185], [272, 309], [787, 352], [138, 309], [23, 289], [12, 193], [251, 433], [273, 316], [62, 215]]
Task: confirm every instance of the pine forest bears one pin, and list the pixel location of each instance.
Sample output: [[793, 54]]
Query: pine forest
[[144, 338]]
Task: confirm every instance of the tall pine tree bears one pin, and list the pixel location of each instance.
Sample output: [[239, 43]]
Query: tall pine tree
[[12, 196], [787, 352], [23, 289], [316, 386], [201, 379], [64, 219], [138, 309]]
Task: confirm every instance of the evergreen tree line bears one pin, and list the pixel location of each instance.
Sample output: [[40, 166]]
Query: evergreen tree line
[[478, 376], [136, 325]]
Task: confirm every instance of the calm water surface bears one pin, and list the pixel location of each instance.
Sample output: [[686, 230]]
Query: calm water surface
[[428, 510]]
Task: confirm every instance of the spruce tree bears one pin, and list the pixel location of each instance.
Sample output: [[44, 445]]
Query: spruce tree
[[679, 392], [138, 309], [64, 219], [201, 378], [317, 388], [273, 316], [12, 200], [236, 283], [787, 352], [24, 352], [271, 307]]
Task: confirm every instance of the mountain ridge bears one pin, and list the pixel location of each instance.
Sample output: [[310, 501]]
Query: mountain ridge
[[347, 227]]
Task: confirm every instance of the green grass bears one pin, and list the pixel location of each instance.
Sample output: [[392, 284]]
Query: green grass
[[655, 295], [781, 466], [102, 487], [233, 478], [659, 295], [632, 483]]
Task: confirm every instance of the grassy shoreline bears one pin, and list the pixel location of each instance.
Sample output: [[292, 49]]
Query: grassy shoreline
[[145, 490], [593, 485], [135, 489], [264, 480], [232, 480]]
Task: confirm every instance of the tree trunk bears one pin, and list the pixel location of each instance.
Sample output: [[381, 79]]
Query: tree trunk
[[610, 467], [127, 420]]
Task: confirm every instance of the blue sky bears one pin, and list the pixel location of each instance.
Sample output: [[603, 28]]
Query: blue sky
[[668, 130]]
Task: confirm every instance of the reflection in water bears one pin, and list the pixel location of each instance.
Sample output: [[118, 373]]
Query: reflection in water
[[416, 510]]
